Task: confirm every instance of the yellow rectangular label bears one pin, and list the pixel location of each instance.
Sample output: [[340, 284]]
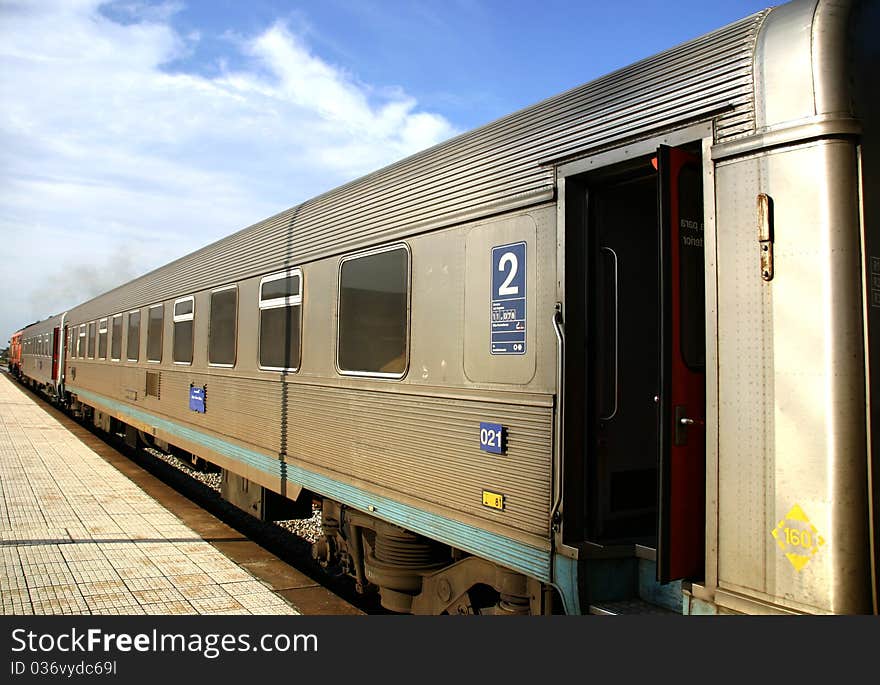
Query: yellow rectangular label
[[493, 499]]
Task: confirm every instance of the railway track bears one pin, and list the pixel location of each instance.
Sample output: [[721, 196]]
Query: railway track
[[277, 553]]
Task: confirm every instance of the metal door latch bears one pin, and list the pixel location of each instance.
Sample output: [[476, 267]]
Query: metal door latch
[[765, 235], [682, 422]]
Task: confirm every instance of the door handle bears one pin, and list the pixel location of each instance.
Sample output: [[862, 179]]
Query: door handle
[[682, 422]]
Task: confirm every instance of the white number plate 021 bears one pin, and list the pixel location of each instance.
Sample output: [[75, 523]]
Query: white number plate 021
[[492, 438]]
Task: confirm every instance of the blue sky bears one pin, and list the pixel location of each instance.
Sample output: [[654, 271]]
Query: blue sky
[[133, 132]]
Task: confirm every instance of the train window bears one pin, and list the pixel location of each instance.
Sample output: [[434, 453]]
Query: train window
[[182, 341], [692, 277], [280, 320], [81, 343], [373, 313], [102, 339], [133, 346], [91, 341], [222, 325], [155, 321], [116, 338]]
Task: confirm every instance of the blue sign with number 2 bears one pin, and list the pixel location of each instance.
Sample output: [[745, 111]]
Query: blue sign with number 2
[[507, 316]]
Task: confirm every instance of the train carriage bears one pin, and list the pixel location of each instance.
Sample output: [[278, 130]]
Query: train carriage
[[13, 361], [614, 352], [38, 351]]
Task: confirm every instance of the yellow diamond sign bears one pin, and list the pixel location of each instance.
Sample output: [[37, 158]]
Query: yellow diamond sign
[[797, 537]]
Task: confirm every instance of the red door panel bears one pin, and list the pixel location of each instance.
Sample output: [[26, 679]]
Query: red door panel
[[682, 405], [56, 347]]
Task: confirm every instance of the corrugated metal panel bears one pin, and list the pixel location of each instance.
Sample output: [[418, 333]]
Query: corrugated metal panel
[[428, 448], [707, 77], [240, 408]]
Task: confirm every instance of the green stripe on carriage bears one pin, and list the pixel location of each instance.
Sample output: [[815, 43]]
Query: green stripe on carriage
[[511, 553]]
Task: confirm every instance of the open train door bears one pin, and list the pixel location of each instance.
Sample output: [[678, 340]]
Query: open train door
[[65, 354], [682, 397], [56, 352]]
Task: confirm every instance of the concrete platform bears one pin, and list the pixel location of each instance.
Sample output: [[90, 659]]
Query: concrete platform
[[78, 537]]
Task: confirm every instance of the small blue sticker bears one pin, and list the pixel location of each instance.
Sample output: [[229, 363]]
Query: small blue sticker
[[197, 398], [492, 438], [507, 316]]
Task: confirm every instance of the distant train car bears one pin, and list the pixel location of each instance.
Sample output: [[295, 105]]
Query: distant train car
[[14, 354], [615, 352], [42, 355]]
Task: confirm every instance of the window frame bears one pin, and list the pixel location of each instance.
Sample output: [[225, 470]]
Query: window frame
[[161, 333], [181, 318], [81, 342], [277, 303], [359, 255], [92, 340], [103, 322], [113, 337], [128, 334], [235, 328]]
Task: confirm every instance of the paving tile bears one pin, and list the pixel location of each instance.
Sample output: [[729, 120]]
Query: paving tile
[[157, 596], [206, 591], [215, 604], [173, 607], [152, 583], [102, 588], [190, 579]]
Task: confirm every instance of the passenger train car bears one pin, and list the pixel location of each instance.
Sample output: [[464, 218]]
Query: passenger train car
[[616, 352], [13, 355]]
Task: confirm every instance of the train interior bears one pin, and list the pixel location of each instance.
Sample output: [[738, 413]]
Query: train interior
[[642, 368]]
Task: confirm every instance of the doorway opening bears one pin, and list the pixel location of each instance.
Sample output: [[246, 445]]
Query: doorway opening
[[643, 359]]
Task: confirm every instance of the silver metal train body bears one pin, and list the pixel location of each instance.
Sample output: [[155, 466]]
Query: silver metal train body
[[41, 355], [612, 352]]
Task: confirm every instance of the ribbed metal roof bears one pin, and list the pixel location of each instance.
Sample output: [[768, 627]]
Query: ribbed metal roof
[[709, 77]]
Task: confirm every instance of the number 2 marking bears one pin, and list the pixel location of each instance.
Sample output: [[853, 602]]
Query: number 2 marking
[[506, 288]]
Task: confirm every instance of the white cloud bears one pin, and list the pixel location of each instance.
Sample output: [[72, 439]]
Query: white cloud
[[102, 148]]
